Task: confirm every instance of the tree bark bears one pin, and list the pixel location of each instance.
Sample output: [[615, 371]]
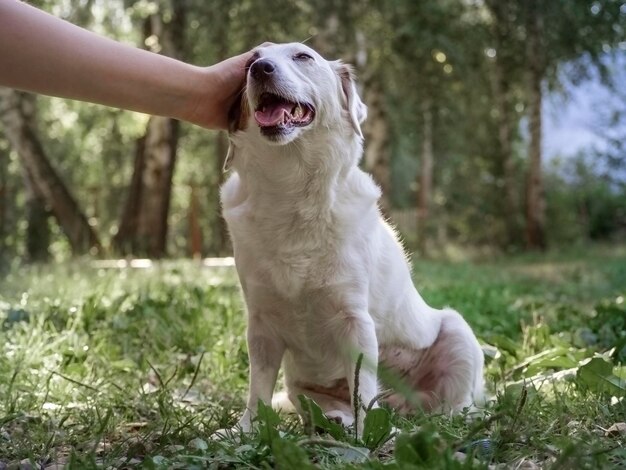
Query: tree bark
[[501, 76], [159, 158], [123, 241], [502, 71], [193, 217], [37, 221], [17, 112], [510, 208], [424, 194], [535, 206], [376, 151], [377, 154], [144, 223]]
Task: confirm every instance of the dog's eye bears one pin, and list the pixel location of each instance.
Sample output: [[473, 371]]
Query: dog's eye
[[302, 56]]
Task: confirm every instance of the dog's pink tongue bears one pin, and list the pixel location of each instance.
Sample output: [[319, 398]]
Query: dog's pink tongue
[[273, 115]]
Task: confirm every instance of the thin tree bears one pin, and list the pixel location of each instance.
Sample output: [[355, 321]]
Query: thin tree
[[143, 226], [18, 116], [505, 68], [535, 203]]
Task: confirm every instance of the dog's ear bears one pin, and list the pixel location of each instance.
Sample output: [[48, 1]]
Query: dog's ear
[[237, 120], [230, 155], [238, 113], [352, 101]]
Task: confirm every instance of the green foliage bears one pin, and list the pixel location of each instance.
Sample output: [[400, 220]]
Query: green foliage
[[582, 204], [316, 420], [608, 327], [597, 374], [377, 428], [138, 369], [444, 51], [289, 455], [267, 421], [421, 449]]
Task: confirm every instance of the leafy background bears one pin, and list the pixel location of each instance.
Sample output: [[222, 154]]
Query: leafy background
[[107, 366], [451, 76]]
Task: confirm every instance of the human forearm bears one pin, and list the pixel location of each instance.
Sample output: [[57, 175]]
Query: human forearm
[[44, 54]]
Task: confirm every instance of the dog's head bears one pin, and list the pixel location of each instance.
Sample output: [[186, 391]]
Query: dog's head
[[291, 90]]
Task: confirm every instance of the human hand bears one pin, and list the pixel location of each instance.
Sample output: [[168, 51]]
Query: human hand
[[215, 90], [60, 59]]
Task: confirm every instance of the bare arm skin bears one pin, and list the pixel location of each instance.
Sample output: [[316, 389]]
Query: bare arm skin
[[44, 54]]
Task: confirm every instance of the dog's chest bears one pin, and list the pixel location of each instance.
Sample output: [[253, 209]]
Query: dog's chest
[[287, 250]]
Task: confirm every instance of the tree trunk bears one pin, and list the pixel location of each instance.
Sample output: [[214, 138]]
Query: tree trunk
[[326, 40], [159, 157], [535, 206], [124, 239], [424, 194], [37, 222], [144, 222], [17, 112], [193, 216], [501, 85], [377, 151], [510, 207], [377, 154]]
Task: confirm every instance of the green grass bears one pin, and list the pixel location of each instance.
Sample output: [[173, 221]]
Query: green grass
[[138, 368]]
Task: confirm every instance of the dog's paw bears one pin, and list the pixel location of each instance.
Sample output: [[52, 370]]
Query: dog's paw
[[244, 426], [226, 434], [340, 417], [234, 434]]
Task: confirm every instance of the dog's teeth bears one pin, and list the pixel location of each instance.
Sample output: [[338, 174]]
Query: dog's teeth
[[297, 111]]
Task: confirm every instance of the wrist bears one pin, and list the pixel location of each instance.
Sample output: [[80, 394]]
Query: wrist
[[210, 92], [193, 95]]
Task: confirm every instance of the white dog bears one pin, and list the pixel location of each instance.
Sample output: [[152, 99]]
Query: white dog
[[324, 277]]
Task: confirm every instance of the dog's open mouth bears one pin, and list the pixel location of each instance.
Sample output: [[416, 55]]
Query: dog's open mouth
[[275, 114]]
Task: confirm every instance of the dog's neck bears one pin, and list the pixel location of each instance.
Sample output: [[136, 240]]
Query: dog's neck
[[314, 162]]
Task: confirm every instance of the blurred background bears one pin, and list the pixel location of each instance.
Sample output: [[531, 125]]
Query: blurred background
[[494, 126]]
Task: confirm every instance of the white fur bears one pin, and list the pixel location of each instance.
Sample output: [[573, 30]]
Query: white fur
[[323, 275]]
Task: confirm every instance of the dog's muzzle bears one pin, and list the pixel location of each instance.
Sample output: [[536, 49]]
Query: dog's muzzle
[[262, 69], [276, 114], [276, 111]]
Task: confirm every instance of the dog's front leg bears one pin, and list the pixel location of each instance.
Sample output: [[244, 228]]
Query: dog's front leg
[[359, 338], [265, 351]]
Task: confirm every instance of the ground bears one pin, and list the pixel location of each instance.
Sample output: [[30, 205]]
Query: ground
[[137, 368]]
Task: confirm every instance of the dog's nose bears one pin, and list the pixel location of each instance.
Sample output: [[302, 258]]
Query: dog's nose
[[262, 68]]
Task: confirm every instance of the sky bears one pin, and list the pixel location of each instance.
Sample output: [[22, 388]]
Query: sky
[[569, 119]]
